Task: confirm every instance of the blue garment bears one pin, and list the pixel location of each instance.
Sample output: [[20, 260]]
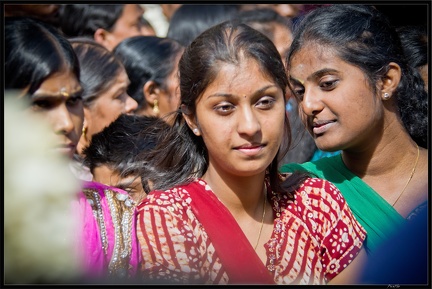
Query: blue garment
[[403, 259]]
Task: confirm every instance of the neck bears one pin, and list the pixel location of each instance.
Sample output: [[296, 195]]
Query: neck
[[239, 194], [381, 158]]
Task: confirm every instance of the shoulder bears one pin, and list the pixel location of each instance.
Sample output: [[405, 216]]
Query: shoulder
[[315, 166], [291, 167], [322, 192], [173, 199]]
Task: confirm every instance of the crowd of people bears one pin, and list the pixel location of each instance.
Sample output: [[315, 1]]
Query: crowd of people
[[295, 135]]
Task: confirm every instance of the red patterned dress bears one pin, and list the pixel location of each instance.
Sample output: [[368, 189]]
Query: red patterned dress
[[315, 237]]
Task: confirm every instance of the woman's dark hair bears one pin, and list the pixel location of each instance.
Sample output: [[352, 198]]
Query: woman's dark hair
[[364, 37], [84, 19], [33, 52], [99, 68], [181, 155], [119, 144], [190, 20], [415, 44], [147, 58]]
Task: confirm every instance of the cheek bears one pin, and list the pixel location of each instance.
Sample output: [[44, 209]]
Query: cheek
[[276, 126], [104, 112], [112, 108], [216, 134]]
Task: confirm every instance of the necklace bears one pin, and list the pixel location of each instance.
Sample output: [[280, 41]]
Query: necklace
[[262, 219], [412, 173]]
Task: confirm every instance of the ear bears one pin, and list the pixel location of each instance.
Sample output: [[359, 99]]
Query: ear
[[103, 37], [391, 79], [100, 35], [151, 92], [192, 123]]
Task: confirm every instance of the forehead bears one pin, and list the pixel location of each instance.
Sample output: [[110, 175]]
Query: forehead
[[313, 55], [61, 80], [243, 76]]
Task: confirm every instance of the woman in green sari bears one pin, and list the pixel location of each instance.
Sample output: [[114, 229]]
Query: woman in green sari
[[357, 94]]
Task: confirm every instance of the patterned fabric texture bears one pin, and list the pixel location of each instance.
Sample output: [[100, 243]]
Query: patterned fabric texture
[[109, 244], [315, 237]]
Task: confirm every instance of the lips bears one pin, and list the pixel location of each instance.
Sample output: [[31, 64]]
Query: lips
[[250, 149], [320, 127], [66, 149]]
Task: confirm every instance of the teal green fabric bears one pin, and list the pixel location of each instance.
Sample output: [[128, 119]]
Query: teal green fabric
[[319, 154], [376, 215]]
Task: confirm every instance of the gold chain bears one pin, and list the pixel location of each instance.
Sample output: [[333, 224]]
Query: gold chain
[[412, 174], [263, 215]]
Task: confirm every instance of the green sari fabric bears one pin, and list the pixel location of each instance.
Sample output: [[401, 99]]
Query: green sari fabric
[[376, 215]]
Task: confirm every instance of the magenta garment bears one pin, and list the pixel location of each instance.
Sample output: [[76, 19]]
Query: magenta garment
[[108, 242]]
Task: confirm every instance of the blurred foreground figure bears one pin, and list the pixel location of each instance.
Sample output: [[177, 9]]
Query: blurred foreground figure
[[38, 190]]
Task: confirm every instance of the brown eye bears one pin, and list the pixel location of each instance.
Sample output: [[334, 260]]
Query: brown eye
[[266, 102], [327, 85], [43, 104]]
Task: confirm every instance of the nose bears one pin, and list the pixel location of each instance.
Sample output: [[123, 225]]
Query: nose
[[130, 105], [311, 103], [62, 120], [248, 123]]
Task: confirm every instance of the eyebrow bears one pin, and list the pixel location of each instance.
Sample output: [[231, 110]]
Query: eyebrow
[[259, 91], [316, 74]]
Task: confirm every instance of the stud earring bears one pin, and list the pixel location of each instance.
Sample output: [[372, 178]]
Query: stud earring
[[386, 96], [195, 131], [156, 107]]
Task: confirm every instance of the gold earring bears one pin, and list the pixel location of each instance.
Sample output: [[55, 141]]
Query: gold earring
[[84, 131], [155, 107]]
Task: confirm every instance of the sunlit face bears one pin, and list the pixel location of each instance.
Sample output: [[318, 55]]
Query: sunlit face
[[240, 117], [128, 25], [131, 184], [336, 101], [59, 101], [109, 105], [170, 96]]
